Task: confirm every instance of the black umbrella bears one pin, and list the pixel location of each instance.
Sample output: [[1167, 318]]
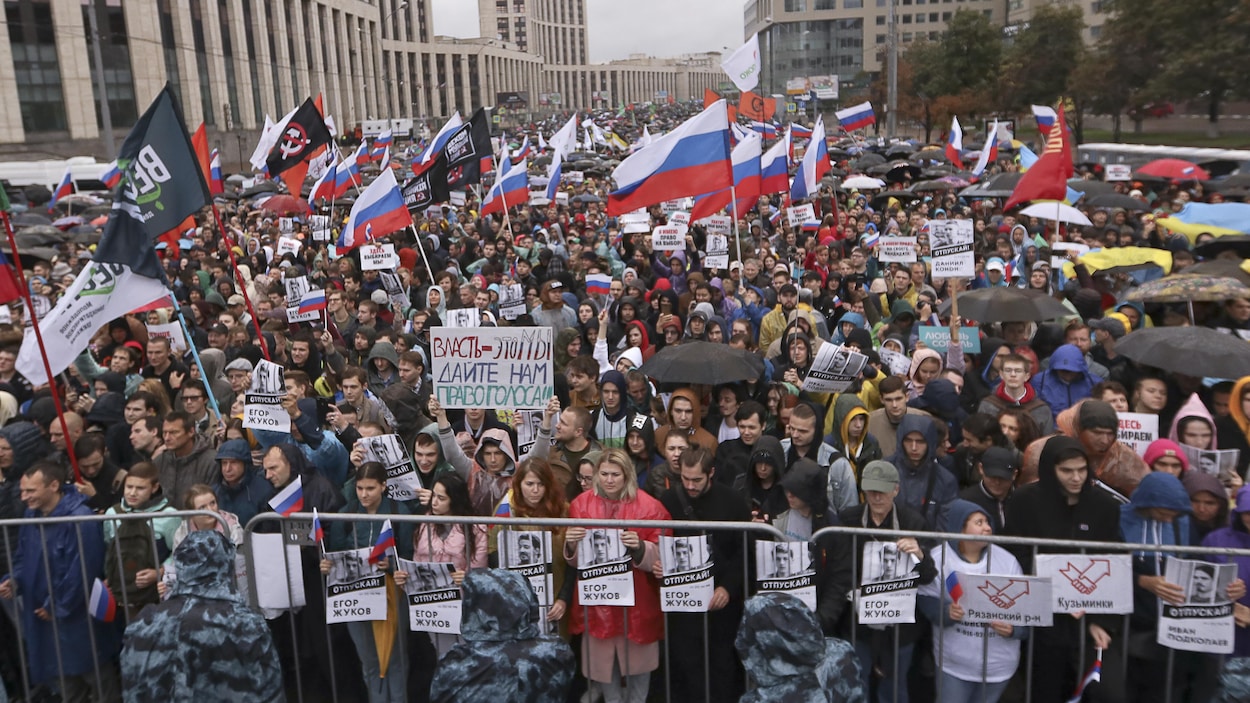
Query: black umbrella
[[929, 154], [260, 188], [1008, 304], [85, 234], [926, 186], [867, 161], [30, 254], [39, 235], [226, 196], [31, 217], [1239, 244], [587, 198], [703, 362], [1226, 268], [900, 170], [1091, 188], [1194, 351], [900, 150], [1116, 200], [582, 164]]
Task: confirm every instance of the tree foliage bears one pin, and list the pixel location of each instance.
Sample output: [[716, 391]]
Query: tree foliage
[[1037, 65]]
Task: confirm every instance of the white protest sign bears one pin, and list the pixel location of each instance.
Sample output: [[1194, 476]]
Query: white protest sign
[[1093, 583], [539, 197], [512, 301], [686, 585], [286, 225], [320, 226], [1205, 622], [668, 207], [574, 177], [296, 287], [786, 567], [633, 222], [668, 238], [887, 592], [679, 218], [376, 257], [434, 600], [834, 369], [1119, 172], [457, 198], [951, 244], [262, 404], [492, 367], [394, 288], [287, 245], [1058, 259], [529, 554], [294, 315], [171, 331], [897, 250], [279, 576], [718, 224], [797, 215], [562, 198], [355, 589], [463, 317], [401, 474], [604, 569], [1015, 600], [717, 252], [1138, 430]]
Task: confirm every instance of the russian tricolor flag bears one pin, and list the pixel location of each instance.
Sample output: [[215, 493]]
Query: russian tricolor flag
[[955, 590], [746, 168], [325, 187], [347, 174], [381, 145], [64, 188], [111, 176], [798, 130], [289, 500], [774, 169], [766, 129], [523, 153], [318, 534], [313, 300], [690, 160], [955, 144], [871, 238], [440, 139], [598, 284], [814, 166], [511, 190], [103, 605], [386, 540], [215, 183], [1045, 117], [378, 211], [361, 157], [856, 117], [1093, 675], [553, 174]]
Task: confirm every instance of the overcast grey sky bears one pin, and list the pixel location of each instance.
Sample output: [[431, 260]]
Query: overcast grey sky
[[618, 29]]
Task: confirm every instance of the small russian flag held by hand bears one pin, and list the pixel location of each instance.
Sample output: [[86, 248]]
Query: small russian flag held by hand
[[290, 499], [318, 534], [386, 540], [1093, 675], [103, 605], [598, 284], [313, 300], [952, 586]]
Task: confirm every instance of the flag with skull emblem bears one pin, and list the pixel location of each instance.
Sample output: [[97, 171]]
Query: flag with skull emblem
[[301, 137]]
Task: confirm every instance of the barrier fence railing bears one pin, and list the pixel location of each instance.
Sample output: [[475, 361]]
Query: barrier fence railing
[[65, 618], [85, 544]]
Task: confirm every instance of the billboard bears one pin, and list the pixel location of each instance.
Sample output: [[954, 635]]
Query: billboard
[[512, 100], [823, 87]]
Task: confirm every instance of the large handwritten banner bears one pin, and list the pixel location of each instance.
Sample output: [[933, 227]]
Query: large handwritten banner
[[488, 367]]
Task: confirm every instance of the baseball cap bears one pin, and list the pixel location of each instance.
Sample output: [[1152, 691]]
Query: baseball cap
[[788, 289], [219, 329], [781, 268], [1115, 327], [879, 476], [996, 264], [998, 462], [236, 299], [1041, 265], [556, 285]]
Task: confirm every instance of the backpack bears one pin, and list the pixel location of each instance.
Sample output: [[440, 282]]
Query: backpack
[[131, 552]]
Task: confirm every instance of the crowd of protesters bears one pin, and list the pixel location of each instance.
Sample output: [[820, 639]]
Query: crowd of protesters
[[1018, 439]]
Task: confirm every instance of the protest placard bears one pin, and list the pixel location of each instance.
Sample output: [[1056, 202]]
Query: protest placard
[[632, 222], [574, 177], [262, 404], [718, 224], [527, 424], [434, 600], [286, 225], [1118, 172], [1220, 463], [897, 250], [1204, 623], [1013, 599], [717, 252], [888, 584], [293, 314], [539, 197], [604, 569], [171, 331], [833, 369], [376, 257], [320, 226], [401, 474], [491, 367], [296, 287], [528, 552], [1138, 430], [463, 318], [512, 301], [394, 287], [278, 573], [355, 589], [562, 198], [668, 238], [668, 207], [799, 214], [1090, 583], [950, 241], [686, 585], [679, 218], [287, 245], [939, 338], [457, 198], [786, 567]]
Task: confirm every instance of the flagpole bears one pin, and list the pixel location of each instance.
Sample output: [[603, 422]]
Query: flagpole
[[195, 354], [424, 257], [43, 351], [234, 263], [733, 212]]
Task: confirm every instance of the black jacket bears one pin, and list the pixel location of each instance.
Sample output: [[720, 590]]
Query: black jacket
[[718, 503]]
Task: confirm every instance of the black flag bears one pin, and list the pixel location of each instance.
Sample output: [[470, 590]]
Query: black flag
[[301, 137], [468, 152]]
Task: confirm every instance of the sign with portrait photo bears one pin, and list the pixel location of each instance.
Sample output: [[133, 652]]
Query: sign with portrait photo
[[686, 586], [717, 252], [887, 592], [355, 588], [1220, 463], [401, 473], [786, 567], [528, 552], [1204, 623], [950, 242], [833, 369], [262, 404], [434, 599], [604, 569]]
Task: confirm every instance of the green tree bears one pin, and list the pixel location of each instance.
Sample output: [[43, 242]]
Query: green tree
[[1041, 57], [1116, 76]]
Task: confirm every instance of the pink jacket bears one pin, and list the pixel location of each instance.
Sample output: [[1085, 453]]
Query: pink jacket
[[428, 546]]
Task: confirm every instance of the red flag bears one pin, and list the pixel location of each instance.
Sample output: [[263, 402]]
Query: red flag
[[1048, 178], [199, 142], [10, 287], [755, 107], [709, 97]]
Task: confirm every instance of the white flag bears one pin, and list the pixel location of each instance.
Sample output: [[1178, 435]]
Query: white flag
[[743, 65]]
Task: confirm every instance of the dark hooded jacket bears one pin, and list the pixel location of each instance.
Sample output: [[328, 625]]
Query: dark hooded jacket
[[789, 658], [319, 493], [847, 407], [831, 553], [502, 658], [643, 426], [1197, 482], [928, 487], [1057, 393], [204, 643], [1156, 490], [766, 503], [251, 491]]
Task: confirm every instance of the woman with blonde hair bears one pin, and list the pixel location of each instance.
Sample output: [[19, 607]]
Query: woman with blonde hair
[[621, 647]]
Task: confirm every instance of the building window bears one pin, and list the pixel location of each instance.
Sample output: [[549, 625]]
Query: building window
[[118, 78], [880, 39], [880, 20], [35, 65], [853, 4], [1095, 32], [796, 5], [946, 17], [201, 60], [826, 5], [906, 19]]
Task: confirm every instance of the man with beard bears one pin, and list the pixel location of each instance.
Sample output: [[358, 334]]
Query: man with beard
[[774, 323]]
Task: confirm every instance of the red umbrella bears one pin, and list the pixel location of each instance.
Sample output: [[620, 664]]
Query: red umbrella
[[286, 205], [1176, 170]]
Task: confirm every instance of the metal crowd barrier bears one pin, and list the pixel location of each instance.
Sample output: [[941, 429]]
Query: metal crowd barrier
[[105, 677]]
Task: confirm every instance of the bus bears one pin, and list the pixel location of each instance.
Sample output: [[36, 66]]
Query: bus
[[1217, 162], [84, 170]]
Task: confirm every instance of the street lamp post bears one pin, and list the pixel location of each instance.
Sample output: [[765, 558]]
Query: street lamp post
[[891, 123]]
